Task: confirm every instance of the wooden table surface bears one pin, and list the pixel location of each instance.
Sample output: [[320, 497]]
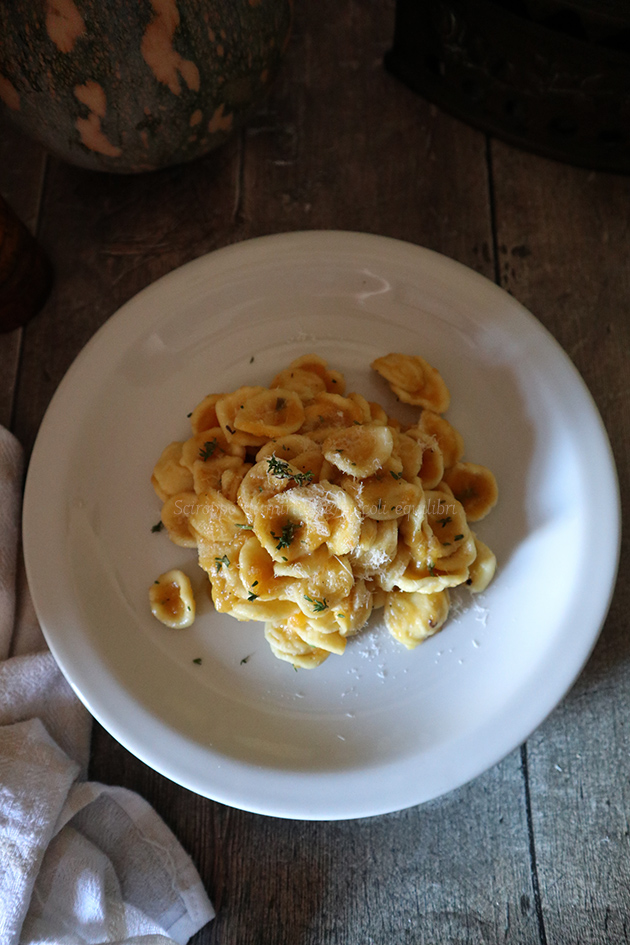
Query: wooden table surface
[[537, 850]]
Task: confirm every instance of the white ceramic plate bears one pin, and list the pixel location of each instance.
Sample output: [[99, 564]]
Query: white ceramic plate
[[380, 728]]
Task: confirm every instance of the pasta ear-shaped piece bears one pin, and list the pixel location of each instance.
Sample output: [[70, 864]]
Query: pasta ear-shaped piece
[[331, 641], [320, 581], [256, 571], [306, 384], [286, 644], [379, 596], [227, 587], [204, 416], [449, 439], [334, 381], [216, 518], [310, 463], [447, 524], [287, 447], [432, 465], [410, 452], [412, 618], [329, 412], [270, 413], [360, 450], [215, 556], [176, 513], [310, 362], [172, 600], [344, 519], [294, 524], [363, 404], [231, 480], [424, 578], [169, 476], [208, 446], [385, 495], [355, 610], [414, 381], [461, 559], [207, 474], [228, 407], [376, 548], [482, 569], [389, 576], [258, 487], [475, 487], [295, 459]]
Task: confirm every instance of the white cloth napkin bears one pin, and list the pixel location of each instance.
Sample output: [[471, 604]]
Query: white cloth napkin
[[80, 862]]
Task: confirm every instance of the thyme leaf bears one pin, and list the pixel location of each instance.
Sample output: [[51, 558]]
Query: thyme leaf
[[287, 536], [208, 449], [318, 605], [281, 469]]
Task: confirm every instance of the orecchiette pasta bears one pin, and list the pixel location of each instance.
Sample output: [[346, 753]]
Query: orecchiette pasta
[[310, 508], [172, 599]]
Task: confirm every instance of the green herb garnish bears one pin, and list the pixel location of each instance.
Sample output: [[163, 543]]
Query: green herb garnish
[[197, 660], [287, 536], [318, 605], [157, 528], [281, 469], [222, 561], [208, 449], [444, 521]]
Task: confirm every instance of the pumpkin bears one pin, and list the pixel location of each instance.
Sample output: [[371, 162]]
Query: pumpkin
[[134, 85]]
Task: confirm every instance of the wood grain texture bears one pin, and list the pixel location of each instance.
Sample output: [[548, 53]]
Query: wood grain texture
[[109, 237], [341, 144], [565, 253]]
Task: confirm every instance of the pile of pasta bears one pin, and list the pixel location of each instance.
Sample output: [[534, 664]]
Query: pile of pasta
[[310, 507]]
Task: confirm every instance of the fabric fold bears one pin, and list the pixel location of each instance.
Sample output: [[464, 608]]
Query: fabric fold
[[80, 862]]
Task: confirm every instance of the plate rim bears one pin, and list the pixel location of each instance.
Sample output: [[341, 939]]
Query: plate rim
[[317, 239]]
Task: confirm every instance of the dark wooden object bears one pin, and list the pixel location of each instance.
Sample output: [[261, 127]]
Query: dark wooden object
[[552, 76], [536, 851]]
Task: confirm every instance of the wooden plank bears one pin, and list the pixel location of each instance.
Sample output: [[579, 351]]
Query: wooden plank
[[342, 144], [22, 168], [565, 253], [455, 871], [108, 237]]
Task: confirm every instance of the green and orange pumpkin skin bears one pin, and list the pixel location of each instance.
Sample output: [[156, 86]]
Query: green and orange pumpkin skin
[[134, 85]]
